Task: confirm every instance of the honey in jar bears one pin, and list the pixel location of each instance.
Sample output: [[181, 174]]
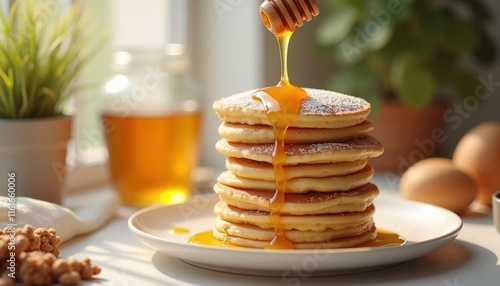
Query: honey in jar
[[152, 123]]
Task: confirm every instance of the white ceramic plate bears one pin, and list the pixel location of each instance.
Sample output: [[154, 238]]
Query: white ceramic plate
[[425, 227]]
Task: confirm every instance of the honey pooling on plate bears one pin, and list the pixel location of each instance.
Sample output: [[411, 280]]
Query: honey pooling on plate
[[384, 238]]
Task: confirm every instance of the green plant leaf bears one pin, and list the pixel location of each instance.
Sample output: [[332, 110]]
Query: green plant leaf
[[413, 84], [7, 84], [380, 38], [6, 80], [336, 26]]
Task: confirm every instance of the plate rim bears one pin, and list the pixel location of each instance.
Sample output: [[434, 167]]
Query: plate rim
[[451, 234]]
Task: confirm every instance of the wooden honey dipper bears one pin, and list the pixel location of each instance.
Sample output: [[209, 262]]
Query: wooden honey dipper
[[280, 16]]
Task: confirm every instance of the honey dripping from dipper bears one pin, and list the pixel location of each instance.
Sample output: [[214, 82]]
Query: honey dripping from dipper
[[282, 102]]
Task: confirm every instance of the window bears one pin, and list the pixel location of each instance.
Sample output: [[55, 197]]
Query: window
[[223, 38]]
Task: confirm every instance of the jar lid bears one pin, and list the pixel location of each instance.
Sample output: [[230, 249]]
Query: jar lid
[[171, 57]]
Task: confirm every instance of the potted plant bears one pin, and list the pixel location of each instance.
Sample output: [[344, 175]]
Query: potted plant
[[42, 52], [405, 57]]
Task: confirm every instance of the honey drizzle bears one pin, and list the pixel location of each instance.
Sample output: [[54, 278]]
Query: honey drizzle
[[206, 238], [282, 103], [384, 238], [283, 41]]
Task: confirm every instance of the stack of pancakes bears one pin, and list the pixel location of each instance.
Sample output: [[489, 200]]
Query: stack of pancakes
[[328, 198]]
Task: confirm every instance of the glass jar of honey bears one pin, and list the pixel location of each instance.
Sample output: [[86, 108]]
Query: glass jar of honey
[[151, 119]]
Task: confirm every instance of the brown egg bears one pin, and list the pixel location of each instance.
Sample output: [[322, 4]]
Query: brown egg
[[478, 155], [436, 181]]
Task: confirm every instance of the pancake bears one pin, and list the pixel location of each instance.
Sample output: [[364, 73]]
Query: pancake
[[342, 242], [244, 133], [321, 109], [265, 171], [354, 200], [312, 222], [304, 184], [249, 231], [330, 152]]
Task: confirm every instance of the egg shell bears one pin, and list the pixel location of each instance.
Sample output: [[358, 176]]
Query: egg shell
[[478, 155], [438, 182]]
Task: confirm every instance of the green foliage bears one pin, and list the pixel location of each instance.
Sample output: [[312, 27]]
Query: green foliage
[[42, 51], [405, 49], [412, 82]]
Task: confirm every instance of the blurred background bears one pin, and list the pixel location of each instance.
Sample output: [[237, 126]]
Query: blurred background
[[348, 47]]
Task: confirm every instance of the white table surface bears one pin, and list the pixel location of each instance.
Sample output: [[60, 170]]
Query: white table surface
[[471, 259]]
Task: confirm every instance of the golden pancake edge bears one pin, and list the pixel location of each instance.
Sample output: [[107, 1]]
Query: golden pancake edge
[[244, 133], [328, 152], [354, 200], [265, 171], [302, 184], [306, 222]]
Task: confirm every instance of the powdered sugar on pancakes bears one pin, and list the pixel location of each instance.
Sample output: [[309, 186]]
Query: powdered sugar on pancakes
[[318, 102], [330, 152], [325, 102], [321, 109], [366, 142]]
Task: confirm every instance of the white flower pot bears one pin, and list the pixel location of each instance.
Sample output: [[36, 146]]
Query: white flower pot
[[34, 150]]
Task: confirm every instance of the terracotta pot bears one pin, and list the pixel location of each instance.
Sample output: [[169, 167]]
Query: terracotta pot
[[408, 135], [33, 157]]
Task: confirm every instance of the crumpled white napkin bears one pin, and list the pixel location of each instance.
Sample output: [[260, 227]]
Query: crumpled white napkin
[[81, 212]]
